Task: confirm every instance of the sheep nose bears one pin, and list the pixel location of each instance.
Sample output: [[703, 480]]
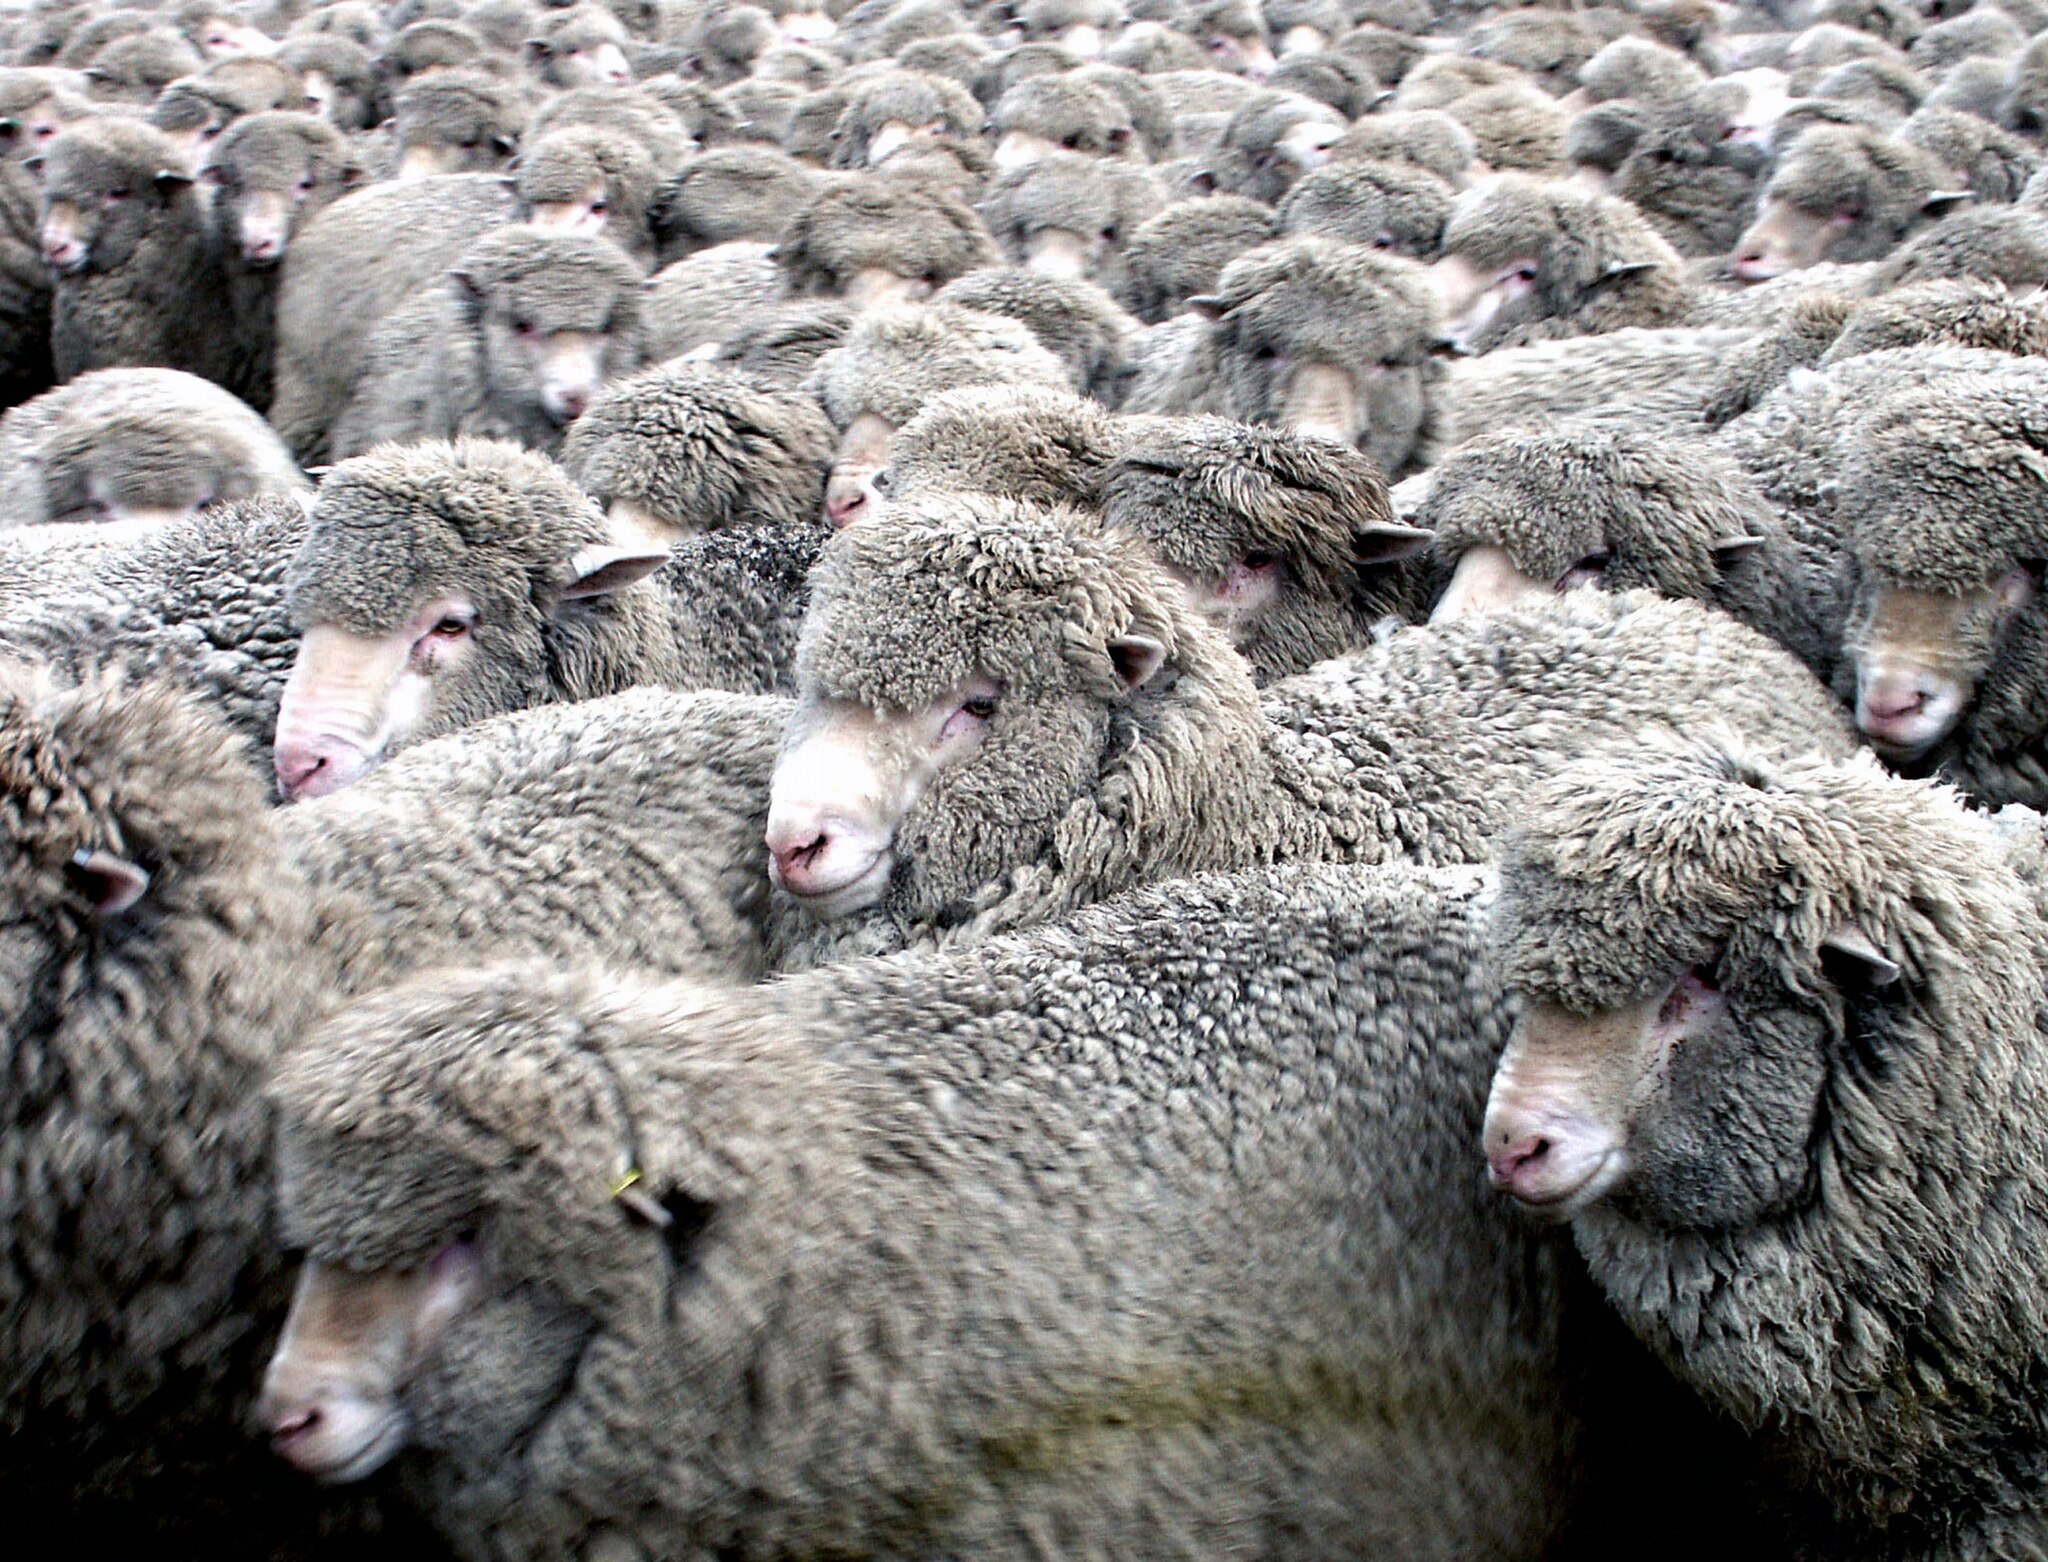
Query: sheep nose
[[573, 403], [1889, 705], [793, 860], [1504, 1163], [298, 766], [845, 509], [291, 1425]]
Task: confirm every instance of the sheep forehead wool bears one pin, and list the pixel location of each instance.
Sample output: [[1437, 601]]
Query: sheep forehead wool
[[1975, 312], [1624, 873], [940, 589], [894, 359], [391, 528], [1512, 216], [98, 155], [565, 163], [1031, 442], [1552, 497], [1946, 484], [556, 281], [1205, 491], [1832, 168], [1322, 295]]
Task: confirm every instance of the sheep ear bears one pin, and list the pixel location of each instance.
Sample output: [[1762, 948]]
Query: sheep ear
[[351, 175], [169, 179], [1136, 659], [1208, 306], [604, 567], [1626, 268], [33, 164], [110, 884], [1203, 181], [1849, 945], [1729, 551], [1944, 201], [1388, 542], [467, 285], [506, 144]]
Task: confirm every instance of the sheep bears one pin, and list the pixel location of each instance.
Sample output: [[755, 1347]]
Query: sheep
[[1840, 193], [730, 194], [1983, 30], [1524, 261], [1533, 512], [1550, 49], [193, 112], [1347, 85], [1514, 128], [269, 174], [136, 281], [581, 46], [1381, 205], [1944, 512], [140, 861], [888, 112], [338, 78], [1271, 141], [1004, 714], [137, 446], [1425, 138], [1779, 1066], [877, 241], [1181, 252], [366, 255], [1690, 168], [455, 122], [1028, 442], [519, 593], [685, 447], [1075, 320], [1313, 335], [669, 134], [579, 180], [135, 69], [1992, 164], [1287, 543], [2007, 244], [1638, 69], [1441, 79], [432, 46], [1234, 34], [25, 287], [1070, 216], [1081, 27], [527, 327], [1019, 1271], [895, 360], [779, 348], [699, 303]]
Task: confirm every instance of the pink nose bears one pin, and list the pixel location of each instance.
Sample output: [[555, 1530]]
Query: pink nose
[[1751, 267], [61, 253], [846, 509], [291, 1425], [1506, 1162], [793, 862], [1892, 704], [573, 403], [262, 249], [302, 770]]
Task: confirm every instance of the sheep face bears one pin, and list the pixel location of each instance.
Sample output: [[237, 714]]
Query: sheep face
[[259, 208], [222, 38], [1487, 579], [551, 352], [588, 212], [25, 135], [331, 1398], [1784, 238], [1475, 298], [1920, 655], [1242, 54], [852, 491], [99, 228], [378, 668]]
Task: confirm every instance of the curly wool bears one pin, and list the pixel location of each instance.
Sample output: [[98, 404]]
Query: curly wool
[[1155, 1395], [703, 449], [895, 360], [1382, 205], [1184, 249], [1583, 246], [906, 227], [1205, 494], [1842, 168], [1085, 788], [1028, 442], [1845, 1260], [1075, 320]]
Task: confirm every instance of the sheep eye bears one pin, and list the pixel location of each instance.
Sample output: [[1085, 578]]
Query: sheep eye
[[1587, 569], [1390, 363], [1383, 241], [1109, 234], [452, 627], [932, 278], [114, 196], [982, 707], [1525, 273], [1218, 46], [599, 208], [881, 481], [1266, 353], [1258, 561], [525, 327], [305, 185], [1850, 214], [1071, 142]]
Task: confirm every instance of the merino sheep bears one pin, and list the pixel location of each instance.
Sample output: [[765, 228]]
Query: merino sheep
[[1028, 442], [1947, 519], [869, 1275], [139, 859], [1286, 542], [1524, 261], [516, 593], [1005, 714], [368, 254], [455, 122], [877, 241], [1313, 335], [1271, 141], [888, 112], [1181, 252], [730, 194], [136, 280], [138, 446], [697, 304], [1074, 319], [1386, 206], [1780, 1065], [269, 174], [527, 328], [684, 448], [579, 180], [892, 362], [1532, 512], [1070, 216], [1840, 193]]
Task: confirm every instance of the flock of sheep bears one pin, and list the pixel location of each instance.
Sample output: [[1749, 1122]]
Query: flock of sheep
[[1115, 779]]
